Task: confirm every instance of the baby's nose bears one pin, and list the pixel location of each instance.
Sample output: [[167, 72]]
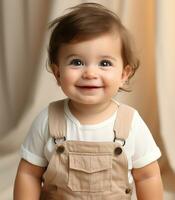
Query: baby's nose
[[90, 72]]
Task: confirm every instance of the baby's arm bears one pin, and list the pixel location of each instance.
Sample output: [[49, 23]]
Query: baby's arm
[[28, 181], [148, 182]]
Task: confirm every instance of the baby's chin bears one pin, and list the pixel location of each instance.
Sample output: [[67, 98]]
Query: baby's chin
[[89, 101]]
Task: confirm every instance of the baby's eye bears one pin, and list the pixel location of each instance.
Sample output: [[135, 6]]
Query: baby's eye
[[105, 63], [76, 62]]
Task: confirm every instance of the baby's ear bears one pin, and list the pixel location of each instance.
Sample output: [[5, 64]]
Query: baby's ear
[[127, 72], [56, 72]]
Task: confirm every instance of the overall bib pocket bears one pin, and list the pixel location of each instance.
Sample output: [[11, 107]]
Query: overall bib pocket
[[90, 172]]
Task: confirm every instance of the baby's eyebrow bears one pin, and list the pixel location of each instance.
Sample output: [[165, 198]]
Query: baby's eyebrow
[[108, 57], [99, 57], [73, 55]]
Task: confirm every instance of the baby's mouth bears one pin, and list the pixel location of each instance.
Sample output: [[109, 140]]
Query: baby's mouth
[[86, 86], [89, 87]]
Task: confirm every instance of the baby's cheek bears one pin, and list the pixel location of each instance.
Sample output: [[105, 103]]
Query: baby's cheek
[[111, 80]]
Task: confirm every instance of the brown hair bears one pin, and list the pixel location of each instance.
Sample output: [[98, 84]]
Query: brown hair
[[86, 21]]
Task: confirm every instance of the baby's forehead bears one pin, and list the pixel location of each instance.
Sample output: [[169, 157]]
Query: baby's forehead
[[102, 45], [79, 38]]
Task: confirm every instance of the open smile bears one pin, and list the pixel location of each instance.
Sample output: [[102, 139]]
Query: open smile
[[89, 89]]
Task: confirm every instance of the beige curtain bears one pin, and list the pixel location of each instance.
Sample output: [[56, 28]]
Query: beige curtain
[[23, 24], [22, 30], [165, 62], [26, 87]]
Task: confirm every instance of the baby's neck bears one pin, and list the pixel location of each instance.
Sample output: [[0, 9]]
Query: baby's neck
[[92, 114]]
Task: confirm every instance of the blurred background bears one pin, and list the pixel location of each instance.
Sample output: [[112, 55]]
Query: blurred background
[[26, 87]]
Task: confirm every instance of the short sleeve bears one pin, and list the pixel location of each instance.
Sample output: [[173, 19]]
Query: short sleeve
[[145, 148], [32, 150]]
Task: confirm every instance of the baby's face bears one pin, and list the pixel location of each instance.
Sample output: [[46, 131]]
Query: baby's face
[[91, 71]]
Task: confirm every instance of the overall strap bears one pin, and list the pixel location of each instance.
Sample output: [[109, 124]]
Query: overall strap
[[123, 122], [57, 122]]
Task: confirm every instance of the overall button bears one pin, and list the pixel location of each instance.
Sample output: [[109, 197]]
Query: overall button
[[118, 151], [60, 149], [128, 190]]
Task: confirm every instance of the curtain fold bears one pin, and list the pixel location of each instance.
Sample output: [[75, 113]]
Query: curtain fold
[[165, 70], [165, 62], [23, 26]]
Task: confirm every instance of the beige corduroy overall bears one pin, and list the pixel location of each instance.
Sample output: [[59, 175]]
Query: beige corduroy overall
[[80, 170]]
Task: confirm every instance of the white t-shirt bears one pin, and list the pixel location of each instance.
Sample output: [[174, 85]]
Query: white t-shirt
[[140, 147]]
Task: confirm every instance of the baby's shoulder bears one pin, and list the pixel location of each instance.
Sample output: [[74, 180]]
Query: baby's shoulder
[[128, 111], [41, 119]]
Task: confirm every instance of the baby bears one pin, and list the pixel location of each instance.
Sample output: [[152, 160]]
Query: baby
[[89, 146]]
